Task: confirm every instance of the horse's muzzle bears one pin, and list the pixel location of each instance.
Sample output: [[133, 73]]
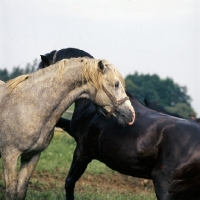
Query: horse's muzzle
[[133, 119]]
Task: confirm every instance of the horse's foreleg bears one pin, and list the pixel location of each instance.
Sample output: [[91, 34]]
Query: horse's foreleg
[[9, 162], [161, 180], [26, 169], [79, 164]]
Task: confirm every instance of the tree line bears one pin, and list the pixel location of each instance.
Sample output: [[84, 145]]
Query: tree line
[[164, 92], [5, 75]]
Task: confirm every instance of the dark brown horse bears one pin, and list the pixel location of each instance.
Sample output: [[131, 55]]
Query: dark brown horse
[[54, 56], [157, 146]]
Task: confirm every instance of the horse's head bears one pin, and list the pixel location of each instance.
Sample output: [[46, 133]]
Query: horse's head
[[110, 92]]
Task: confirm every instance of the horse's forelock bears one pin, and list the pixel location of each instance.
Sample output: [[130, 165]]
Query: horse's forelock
[[112, 69], [93, 74]]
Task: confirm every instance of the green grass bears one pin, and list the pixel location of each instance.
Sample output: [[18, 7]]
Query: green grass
[[114, 196], [47, 181], [31, 195]]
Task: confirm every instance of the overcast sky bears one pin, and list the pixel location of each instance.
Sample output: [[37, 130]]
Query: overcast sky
[[147, 36]]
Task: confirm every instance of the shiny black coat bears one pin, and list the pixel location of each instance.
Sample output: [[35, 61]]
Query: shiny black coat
[[159, 147]]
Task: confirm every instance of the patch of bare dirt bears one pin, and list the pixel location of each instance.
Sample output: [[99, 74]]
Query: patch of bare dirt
[[95, 182]]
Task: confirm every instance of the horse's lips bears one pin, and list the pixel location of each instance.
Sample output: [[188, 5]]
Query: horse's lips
[[133, 115], [133, 119]]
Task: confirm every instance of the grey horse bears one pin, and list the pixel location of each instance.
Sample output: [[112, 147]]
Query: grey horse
[[43, 96]]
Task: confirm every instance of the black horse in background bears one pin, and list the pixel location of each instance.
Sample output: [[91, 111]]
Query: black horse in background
[[54, 56], [157, 146]]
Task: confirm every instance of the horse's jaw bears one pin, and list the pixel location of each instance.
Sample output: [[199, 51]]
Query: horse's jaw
[[122, 120]]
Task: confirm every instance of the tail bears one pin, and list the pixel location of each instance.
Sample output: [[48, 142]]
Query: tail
[[65, 124]]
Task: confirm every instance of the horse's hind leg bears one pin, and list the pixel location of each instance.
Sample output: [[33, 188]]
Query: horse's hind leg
[[26, 169], [79, 164], [10, 174]]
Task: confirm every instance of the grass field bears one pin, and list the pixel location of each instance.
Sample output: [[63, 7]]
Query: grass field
[[98, 182]]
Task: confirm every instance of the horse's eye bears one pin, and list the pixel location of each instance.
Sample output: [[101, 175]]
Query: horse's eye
[[117, 84]]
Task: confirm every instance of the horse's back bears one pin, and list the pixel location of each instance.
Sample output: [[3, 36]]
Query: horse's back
[[72, 53]]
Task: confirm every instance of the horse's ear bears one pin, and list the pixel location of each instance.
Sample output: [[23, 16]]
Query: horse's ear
[[45, 60], [101, 66]]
